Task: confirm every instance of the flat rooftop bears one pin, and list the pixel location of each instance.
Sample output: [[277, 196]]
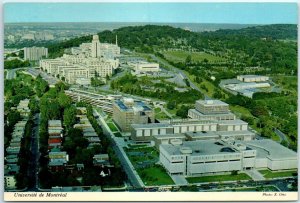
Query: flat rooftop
[[202, 134], [212, 102], [188, 121], [135, 104], [271, 149], [251, 76], [199, 148], [54, 122], [216, 134], [151, 125], [232, 122], [168, 136], [211, 114]]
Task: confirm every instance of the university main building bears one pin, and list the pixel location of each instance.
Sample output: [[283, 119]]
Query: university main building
[[87, 61]]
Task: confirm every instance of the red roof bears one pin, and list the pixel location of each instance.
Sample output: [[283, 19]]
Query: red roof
[[54, 140]]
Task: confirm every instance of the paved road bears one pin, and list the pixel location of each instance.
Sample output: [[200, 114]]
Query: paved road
[[34, 158], [133, 177], [177, 70], [51, 80], [282, 136], [282, 184], [11, 74], [165, 111]]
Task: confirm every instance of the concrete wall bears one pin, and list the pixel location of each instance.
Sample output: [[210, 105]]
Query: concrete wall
[[282, 164]]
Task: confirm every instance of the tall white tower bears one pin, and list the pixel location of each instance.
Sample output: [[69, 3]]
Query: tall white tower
[[95, 46], [117, 40]]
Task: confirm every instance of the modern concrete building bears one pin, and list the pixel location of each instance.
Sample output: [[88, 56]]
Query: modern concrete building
[[144, 67], [103, 101], [168, 139], [35, 53], [211, 107], [211, 110], [252, 78], [127, 112], [142, 132], [196, 158], [243, 135]]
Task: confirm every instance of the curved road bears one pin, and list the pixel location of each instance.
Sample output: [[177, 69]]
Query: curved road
[[177, 70], [281, 135]]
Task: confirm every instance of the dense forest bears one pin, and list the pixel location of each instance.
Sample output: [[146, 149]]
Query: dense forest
[[269, 46]]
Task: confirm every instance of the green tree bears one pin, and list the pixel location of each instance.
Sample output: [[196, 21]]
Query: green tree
[[64, 100], [69, 116], [13, 117], [188, 60], [171, 105]]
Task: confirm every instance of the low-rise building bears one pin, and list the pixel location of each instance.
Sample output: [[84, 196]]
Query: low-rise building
[[244, 135], [101, 160], [168, 139], [23, 108], [146, 131], [55, 131], [10, 182], [252, 78], [196, 158], [144, 67], [57, 159]]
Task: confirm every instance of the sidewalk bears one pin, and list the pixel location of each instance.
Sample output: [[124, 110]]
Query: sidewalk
[[255, 175], [179, 180]]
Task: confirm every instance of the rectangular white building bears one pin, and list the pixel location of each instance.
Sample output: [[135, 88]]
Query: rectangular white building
[[143, 66], [252, 78], [35, 53], [196, 158]]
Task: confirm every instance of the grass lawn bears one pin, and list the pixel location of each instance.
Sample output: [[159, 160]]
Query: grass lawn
[[147, 153], [288, 83], [180, 56], [275, 137], [239, 110], [218, 178], [117, 134], [271, 174], [210, 87], [152, 174], [157, 110], [161, 115], [155, 175], [112, 127], [268, 188], [135, 146]]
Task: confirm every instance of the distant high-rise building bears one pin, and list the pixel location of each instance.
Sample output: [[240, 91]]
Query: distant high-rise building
[[95, 46], [35, 53]]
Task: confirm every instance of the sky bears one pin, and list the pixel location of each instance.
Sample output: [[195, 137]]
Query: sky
[[233, 12]]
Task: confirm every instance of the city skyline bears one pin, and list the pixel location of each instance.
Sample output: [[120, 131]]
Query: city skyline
[[235, 13]]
